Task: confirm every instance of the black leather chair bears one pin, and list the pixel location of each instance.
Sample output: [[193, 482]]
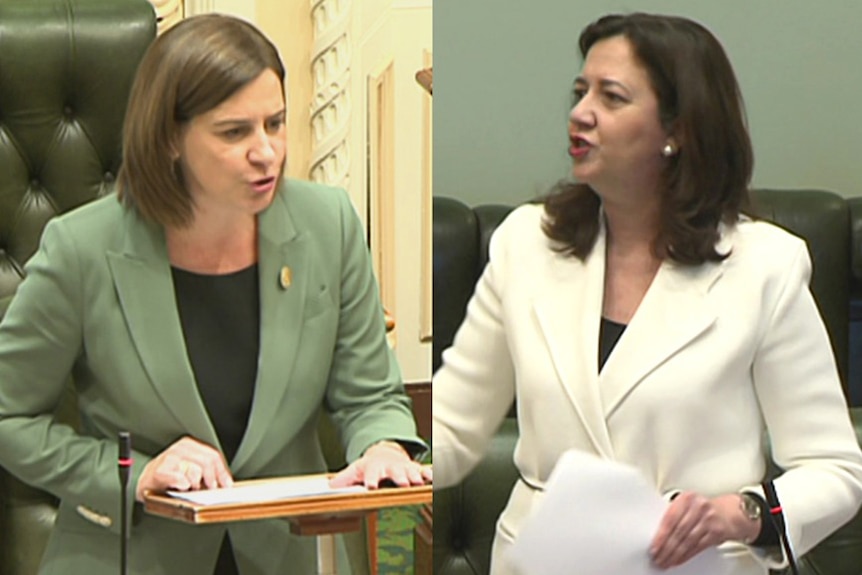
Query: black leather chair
[[465, 515]]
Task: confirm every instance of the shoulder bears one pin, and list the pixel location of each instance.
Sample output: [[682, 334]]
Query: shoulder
[[759, 241], [314, 206], [95, 221], [762, 252], [524, 223], [310, 196]]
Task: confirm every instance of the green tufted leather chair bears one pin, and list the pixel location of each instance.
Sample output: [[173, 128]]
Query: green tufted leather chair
[[66, 68]]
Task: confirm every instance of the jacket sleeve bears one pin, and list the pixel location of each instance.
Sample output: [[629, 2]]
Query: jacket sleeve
[[806, 416], [475, 386], [365, 393], [40, 340]]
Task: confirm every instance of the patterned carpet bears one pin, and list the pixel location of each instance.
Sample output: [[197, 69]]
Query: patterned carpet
[[395, 540]]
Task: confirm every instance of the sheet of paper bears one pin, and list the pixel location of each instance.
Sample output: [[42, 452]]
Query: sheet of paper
[[598, 517], [265, 491]]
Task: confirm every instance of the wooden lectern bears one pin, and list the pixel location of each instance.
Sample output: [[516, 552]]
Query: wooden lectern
[[315, 515]]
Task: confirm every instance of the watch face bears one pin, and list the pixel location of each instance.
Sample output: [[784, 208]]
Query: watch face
[[750, 507]]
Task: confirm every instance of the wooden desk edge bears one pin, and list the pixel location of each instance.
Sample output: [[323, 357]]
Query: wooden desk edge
[[313, 507]]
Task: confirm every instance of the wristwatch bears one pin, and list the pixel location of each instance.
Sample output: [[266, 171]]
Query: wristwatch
[[753, 510], [750, 506]]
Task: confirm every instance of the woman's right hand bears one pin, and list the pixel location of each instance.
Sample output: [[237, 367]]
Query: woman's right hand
[[186, 465]]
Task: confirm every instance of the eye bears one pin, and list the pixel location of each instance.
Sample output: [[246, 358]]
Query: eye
[[275, 124], [614, 97], [578, 94], [232, 133]]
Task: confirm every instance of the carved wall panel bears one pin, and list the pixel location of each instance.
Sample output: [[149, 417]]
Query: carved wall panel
[[331, 102]]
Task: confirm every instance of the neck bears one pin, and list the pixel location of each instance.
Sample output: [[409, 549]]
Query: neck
[[631, 227], [213, 247]]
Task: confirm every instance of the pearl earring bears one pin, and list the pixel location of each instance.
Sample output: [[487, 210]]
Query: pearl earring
[[667, 151]]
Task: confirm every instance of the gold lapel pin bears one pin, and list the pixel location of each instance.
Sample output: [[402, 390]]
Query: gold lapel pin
[[285, 277]]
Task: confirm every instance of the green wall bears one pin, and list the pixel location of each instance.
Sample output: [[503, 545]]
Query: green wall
[[503, 71]]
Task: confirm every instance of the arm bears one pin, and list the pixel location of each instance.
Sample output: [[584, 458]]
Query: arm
[[40, 339], [800, 399], [806, 416], [475, 386], [365, 393]]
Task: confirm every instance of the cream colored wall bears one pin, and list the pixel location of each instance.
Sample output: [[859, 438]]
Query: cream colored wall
[[412, 40], [288, 24], [397, 35]]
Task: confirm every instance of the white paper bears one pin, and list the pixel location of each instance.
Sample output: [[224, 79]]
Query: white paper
[[265, 491], [599, 517]]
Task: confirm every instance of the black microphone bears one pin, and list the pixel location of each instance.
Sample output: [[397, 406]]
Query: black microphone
[[124, 466], [777, 515]]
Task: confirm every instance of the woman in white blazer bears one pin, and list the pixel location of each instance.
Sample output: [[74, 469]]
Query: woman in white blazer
[[639, 315]]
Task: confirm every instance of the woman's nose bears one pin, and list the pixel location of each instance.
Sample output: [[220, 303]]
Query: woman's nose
[[582, 113], [263, 150]]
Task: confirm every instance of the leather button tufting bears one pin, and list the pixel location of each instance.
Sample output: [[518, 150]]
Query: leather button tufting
[[108, 177], [67, 111], [34, 183]]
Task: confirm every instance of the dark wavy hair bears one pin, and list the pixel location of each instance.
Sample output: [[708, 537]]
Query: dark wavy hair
[[707, 181]]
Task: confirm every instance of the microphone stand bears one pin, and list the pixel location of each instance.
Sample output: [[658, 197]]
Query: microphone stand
[[777, 515], [124, 465]]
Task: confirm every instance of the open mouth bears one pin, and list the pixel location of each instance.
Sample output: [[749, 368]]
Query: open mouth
[[578, 146], [263, 185], [579, 143]]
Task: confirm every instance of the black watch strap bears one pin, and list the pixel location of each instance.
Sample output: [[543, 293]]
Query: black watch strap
[[768, 536]]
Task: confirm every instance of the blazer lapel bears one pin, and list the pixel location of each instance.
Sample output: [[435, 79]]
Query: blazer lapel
[[282, 309], [674, 311], [569, 313], [142, 278]]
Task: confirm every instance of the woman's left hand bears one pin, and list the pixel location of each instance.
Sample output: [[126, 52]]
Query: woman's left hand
[[381, 461], [692, 523]]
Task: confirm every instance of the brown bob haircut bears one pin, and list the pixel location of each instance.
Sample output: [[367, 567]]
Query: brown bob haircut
[[190, 69], [700, 103]]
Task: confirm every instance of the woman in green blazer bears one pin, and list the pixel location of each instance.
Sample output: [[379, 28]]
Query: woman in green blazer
[[210, 308]]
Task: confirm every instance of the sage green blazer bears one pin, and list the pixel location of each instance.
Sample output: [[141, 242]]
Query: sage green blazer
[[98, 303]]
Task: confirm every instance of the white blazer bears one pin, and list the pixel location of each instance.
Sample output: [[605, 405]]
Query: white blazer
[[715, 355]]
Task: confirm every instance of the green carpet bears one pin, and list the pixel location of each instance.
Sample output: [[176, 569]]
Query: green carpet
[[395, 539]]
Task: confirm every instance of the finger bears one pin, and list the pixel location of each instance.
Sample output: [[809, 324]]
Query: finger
[[373, 475], [414, 475], [225, 479], [694, 544], [678, 554], [215, 472], [428, 474], [194, 473], [690, 535], [348, 476], [397, 474], [175, 479], [210, 473], [672, 529], [666, 526]]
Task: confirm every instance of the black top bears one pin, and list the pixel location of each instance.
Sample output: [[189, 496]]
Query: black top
[[609, 335], [220, 316]]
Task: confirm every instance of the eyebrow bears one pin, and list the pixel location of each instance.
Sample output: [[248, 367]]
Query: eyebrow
[[604, 83], [241, 121]]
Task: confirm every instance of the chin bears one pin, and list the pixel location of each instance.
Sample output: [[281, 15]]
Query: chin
[[583, 176]]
